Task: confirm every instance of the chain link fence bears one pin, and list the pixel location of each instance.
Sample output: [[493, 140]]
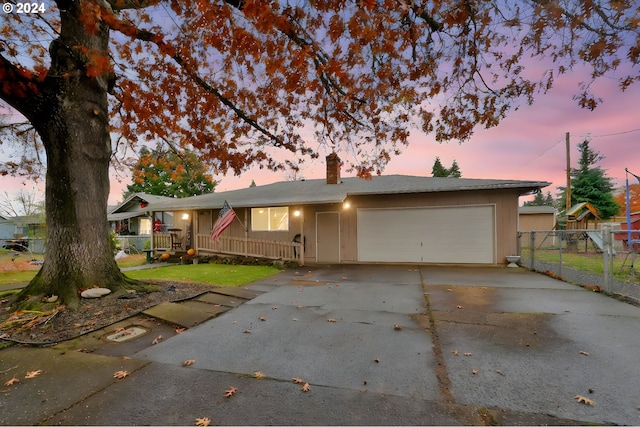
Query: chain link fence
[[596, 259]]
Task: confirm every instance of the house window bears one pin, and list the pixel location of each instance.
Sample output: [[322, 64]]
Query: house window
[[145, 226], [270, 219]]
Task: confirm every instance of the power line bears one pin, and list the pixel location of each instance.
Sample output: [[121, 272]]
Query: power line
[[609, 134], [543, 153]]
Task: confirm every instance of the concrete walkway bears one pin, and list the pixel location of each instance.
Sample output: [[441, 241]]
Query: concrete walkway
[[410, 345]]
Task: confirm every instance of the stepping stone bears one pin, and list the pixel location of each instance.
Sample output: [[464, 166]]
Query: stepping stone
[[206, 307], [237, 292], [225, 300], [179, 314]]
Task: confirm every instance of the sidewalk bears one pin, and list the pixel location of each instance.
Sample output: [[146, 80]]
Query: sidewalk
[[377, 345]]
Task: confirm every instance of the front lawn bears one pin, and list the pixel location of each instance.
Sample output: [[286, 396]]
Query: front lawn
[[212, 274], [19, 270]]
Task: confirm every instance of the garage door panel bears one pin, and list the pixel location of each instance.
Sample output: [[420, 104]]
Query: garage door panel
[[438, 235]]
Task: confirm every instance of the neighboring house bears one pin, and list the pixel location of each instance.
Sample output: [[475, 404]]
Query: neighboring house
[[537, 218], [30, 228], [393, 218], [132, 218], [6, 229], [132, 222]]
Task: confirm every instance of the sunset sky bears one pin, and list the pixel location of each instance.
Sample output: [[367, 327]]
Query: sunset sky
[[529, 144]]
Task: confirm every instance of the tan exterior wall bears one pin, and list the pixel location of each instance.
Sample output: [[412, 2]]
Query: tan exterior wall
[[541, 221], [535, 222], [506, 219]]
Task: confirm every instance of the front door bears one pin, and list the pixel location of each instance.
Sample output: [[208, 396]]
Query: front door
[[328, 237]]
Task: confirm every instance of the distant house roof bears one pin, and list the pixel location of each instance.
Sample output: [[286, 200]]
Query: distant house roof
[[132, 206], [24, 220], [530, 210], [317, 191]]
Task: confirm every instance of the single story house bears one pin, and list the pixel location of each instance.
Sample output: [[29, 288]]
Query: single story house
[[23, 232], [132, 222], [388, 219]]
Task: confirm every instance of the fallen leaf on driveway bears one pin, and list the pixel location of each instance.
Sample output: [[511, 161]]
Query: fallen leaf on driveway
[[263, 318], [180, 330], [584, 353], [306, 387], [33, 374], [157, 340], [397, 327], [331, 320], [582, 399], [297, 380], [232, 390], [258, 374], [455, 352], [475, 371], [203, 421], [189, 362], [459, 306], [12, 381], [121, 374], [246, 331], [467, 354]]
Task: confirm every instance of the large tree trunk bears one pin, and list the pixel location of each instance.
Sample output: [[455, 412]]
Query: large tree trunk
[[74, 125]]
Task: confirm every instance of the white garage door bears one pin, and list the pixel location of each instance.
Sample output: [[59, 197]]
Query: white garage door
[[436, 235]]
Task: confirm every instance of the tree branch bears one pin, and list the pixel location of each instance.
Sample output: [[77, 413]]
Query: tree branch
[[157, 39], [21, 89]]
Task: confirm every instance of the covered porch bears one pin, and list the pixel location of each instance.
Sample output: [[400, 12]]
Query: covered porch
[[192, 230]]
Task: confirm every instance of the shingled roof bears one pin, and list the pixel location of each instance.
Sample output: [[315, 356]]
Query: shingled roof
[[317, 191]]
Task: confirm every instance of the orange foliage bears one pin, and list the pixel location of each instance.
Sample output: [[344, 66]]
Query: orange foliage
[[634, 196], [237, 79]]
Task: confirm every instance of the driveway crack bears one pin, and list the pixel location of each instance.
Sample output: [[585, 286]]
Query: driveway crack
[[442, 374]]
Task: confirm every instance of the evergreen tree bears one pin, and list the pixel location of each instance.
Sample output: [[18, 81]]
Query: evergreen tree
[[454, 170], [540, 200], [438, 170], [589, 183], [163, 172]]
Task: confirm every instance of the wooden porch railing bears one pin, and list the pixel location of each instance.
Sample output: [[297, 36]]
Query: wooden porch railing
[[250, 247], [162, 241]]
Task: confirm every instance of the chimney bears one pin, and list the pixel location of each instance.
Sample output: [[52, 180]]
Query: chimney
[[333, 168]]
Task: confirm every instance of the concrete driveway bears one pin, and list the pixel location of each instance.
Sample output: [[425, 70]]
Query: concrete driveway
[[409, 345]]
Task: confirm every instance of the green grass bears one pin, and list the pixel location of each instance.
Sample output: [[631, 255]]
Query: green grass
[[132, 261], [212, 274], [12, 277]]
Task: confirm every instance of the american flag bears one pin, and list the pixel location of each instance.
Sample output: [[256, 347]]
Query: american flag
[[225, 218]]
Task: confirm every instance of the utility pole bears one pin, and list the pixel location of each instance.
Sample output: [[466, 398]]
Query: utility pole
[[568, 202]]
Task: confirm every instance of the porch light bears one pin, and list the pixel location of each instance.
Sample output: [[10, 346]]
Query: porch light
[[185, 216], [296, 213], [346, 205]]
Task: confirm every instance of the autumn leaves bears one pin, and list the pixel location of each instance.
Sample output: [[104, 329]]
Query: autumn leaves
[[27, 376]]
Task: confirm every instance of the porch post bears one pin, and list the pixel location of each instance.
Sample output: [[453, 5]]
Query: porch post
[[153, 231], [195, 214], [246, 232], [302, 235]]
